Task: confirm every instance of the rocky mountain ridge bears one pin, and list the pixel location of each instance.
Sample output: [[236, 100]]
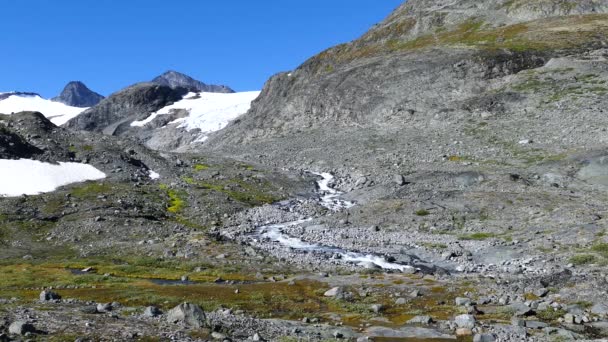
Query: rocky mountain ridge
[[77, 94], [176, 79]]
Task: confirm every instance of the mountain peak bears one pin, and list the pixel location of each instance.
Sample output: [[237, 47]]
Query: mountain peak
[[77, 94], [175, 79]]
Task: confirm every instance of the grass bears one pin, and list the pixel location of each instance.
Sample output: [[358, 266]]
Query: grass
[[601, 248], [201, 167], [90, 190], [538, 35], [249, 193]]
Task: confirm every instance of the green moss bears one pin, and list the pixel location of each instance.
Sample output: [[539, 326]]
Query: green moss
[[176, 201], [477, 236], [422, 212], [601, 248], [90, 190], [201, 167], [582, 259]]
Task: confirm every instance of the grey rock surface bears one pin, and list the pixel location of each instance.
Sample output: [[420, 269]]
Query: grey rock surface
[[187, 314], [176, 79]]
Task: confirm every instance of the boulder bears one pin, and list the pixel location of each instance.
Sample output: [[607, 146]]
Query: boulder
[[333, 292], [465, 321], [421, 320], [46, 296], [190, 315], [152, 311], [21, 328]]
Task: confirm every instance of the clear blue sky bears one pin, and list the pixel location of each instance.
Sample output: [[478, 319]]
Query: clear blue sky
[[110, 44]]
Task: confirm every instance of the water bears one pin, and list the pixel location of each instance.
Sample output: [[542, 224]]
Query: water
[[330, 198]]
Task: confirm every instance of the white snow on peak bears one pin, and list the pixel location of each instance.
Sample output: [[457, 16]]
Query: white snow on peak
[[32, 177], [209, 112], [57, 112]]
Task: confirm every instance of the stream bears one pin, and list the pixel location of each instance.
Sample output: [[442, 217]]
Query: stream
[[330, 199]]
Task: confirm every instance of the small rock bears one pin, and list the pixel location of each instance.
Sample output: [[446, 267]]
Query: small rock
[[333, 292], [377, 308], [218, 336], [399, 180], [464, 332], [152, 311], [541, 292], [460, 301], [400, 301], [47, 295], [256, 337], [421, 320], [536, 325], [105, 307]]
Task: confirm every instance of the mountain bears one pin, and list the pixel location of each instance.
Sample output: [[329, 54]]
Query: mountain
[[175, 79], [58, 113], [76, 94], [116, 112]]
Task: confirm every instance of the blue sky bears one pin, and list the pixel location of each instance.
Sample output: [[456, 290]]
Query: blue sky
[[110, 44]]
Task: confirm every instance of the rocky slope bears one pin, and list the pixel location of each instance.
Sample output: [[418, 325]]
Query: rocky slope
[[468, 139], [77, 94], [176, 79]]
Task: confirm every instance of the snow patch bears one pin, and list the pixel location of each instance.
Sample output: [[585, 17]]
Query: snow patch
[[209, 112], [57, 112], [32, 177], [153, 175]]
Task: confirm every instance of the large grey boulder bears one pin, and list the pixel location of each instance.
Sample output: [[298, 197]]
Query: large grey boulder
[[465, 321], [21, 328], [187, 314]]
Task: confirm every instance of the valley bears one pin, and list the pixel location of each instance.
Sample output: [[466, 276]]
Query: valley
[[441, 178]]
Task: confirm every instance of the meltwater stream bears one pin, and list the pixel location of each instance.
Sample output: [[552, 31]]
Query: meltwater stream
[[330, 198]]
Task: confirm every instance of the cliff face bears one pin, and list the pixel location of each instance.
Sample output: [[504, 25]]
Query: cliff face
[[427, 56]]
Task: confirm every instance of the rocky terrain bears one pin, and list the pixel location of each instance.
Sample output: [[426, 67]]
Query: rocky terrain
[[443, 177], [77, 94]]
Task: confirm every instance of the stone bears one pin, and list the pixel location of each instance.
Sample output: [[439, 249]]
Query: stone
[[541, 292], [47, 295], [190, 315], [462, 301], [399, 180], [377, 308], [333, 292], [89, 309], [21, 328], [484, 338], [400, 301], [152, 311], [464, 332], [536, 325], [105, 307], [218, 336], [569, 318], [600, 309], [465, 321], [256, 337], [421, 320]]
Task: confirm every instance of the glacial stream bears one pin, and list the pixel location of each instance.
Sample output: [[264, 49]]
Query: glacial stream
[[330, 199]]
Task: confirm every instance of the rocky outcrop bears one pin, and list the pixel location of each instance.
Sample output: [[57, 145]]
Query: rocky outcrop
[[113, 115], [176, 79], [76, 94]]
